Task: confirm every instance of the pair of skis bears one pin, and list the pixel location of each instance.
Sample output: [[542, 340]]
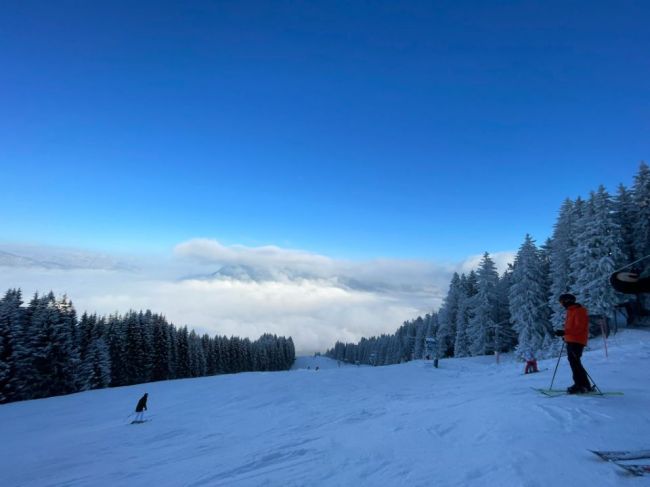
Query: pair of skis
[[563, 392], [623, 456]]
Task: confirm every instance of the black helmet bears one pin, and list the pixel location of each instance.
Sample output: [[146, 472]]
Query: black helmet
[[567, 299]]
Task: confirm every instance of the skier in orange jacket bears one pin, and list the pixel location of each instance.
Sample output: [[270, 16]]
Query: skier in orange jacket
[[576, 334]]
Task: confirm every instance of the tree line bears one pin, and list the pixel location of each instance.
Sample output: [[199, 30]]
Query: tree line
[[46, 351], [484, 312]]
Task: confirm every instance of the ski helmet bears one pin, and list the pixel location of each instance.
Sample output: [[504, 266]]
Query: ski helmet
[[567, 299]]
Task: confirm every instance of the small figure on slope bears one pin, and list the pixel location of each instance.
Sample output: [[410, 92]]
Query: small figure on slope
[[575, 333], [531, 363], [141, 408]]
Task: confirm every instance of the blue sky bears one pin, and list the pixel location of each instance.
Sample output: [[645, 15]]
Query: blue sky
[[411, 130]]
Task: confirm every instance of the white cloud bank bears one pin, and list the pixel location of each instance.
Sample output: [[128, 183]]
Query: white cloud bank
[[244, 291]]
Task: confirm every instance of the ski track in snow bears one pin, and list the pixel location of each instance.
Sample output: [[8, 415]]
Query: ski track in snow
[[470, 422]]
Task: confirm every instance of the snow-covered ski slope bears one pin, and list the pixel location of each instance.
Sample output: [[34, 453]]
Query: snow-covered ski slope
[[470, 422]]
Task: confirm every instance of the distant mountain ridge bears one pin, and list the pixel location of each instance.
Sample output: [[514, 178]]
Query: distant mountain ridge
[[59, 259], [247, 273]]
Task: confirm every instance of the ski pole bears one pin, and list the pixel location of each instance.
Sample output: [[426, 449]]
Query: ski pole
[[556, 365], [592, 381]]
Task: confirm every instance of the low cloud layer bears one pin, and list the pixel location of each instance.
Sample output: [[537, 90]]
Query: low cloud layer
[[244, 291]]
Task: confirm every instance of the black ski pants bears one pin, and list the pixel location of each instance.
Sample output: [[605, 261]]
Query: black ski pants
[[574, 352]]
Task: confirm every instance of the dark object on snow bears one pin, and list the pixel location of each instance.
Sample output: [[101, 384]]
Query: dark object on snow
[[617, 455], [559, 333], [142, 404], [531, 366], [581, 382], [563, 392], [630, 282], [638, 470], [574, 389], [567, 299]]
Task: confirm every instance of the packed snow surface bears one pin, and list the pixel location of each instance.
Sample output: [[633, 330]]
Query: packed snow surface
[[470, 422]]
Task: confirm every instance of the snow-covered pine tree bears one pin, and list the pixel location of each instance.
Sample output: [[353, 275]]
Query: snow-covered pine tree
[[383, 356], [214, 343], [95, 369], [224, 355], [597, 255], [85, 332], [641, 213], [461, 342], [624, 217], [528, 301], [136, 357], [146, 328], [51, 359], [161, 350], [407, 341], [561, 247], [263, 362], [483, 332], [173, 351], [245, 351], [545, 258], [289, 352], [420, 333], [11, 325], [551, 345], [508, 336], [197, 358], [184, 369], [85, 337], [393, 355], [236, 364], [116, 340], [208, 352], [71, 360], [446, 333], [100, 358]]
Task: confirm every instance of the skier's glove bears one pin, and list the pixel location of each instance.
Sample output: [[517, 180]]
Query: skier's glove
[[559, 333]]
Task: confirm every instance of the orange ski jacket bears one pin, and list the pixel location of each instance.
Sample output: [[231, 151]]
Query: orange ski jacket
[[576, 325]]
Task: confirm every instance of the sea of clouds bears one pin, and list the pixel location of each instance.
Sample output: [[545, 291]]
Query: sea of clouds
[[243, 291]]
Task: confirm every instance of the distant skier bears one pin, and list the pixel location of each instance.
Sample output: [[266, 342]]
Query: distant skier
[[575, 333], [141, 408], [531, 364]]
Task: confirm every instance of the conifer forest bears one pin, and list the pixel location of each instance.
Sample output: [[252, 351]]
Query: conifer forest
[[485, 313]]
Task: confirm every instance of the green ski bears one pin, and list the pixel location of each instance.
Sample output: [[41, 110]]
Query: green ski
[[562, 392]]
